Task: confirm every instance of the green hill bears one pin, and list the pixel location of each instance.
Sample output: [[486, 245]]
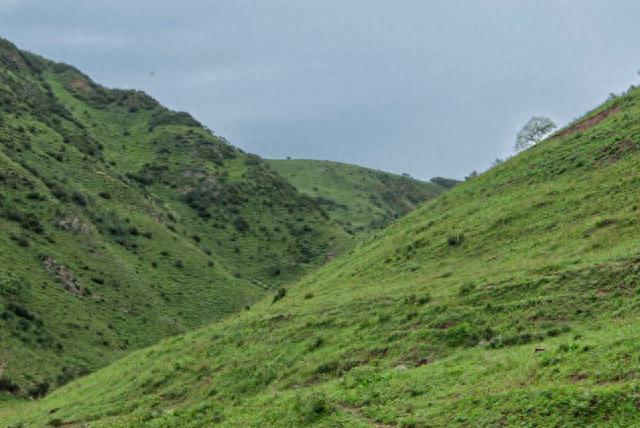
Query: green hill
[[361, 199], [512, 300], [122, 222]]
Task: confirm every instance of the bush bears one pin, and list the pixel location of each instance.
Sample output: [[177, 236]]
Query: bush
[[20, 240], [27, 220], [167, 117], [240, 224], [7, 385], [466, 288], [35, 196], [462, 334], [455, 240], [312, 407], [79, 199], [315, 344], [413, 299], [279, 294], [21, 311], [444, 182], [179, 264], [40, 390]]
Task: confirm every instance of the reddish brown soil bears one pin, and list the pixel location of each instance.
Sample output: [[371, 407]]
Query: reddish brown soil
[[588, 122]]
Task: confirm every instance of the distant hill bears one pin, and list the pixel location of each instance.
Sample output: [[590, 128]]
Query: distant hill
[[360, 199], [122, 222], [511, 300]]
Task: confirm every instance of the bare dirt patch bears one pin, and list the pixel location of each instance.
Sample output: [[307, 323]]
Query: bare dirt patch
[[73, 224], [64, 275], [577, 377], [588, 122], [80, 85]]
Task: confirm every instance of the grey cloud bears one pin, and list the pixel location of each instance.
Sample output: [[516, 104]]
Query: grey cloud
[[424, 87]]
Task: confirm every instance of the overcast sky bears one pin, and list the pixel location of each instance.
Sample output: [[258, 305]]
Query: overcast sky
[[424, 87]]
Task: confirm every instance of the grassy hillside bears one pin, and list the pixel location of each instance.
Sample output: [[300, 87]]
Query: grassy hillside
[[122, 222], [512, 300], [361, 199]]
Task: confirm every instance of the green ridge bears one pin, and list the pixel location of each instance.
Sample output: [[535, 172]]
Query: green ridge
[[361, 199], [512, 300], [122, 222]]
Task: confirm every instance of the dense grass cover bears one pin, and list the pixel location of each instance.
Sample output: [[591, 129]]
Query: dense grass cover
[[361, 199], [122, 222], [512, 300]]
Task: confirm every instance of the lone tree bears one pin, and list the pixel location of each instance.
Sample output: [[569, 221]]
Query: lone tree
[[533, 131]]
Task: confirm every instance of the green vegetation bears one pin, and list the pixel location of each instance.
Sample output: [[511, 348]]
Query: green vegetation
[[362, 200], [122, 222], [512, 300]]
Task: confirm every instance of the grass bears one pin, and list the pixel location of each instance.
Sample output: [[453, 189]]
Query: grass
[[122, 222], [362, 200], [530, 316]]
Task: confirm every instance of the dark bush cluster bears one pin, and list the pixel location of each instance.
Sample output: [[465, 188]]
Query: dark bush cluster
[[27, 221], [7, 385], [280, 294], [149, 173], [455, 240], [166, 117]]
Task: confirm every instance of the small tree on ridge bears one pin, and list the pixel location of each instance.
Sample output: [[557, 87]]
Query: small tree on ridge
[[533, 131]]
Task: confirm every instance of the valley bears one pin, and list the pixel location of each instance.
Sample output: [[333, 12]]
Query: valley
[[510, 300]]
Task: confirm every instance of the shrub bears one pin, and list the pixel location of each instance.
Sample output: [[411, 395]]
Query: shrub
[[7, 385], [35, 196], [166, 117], [279, 294], [316, 343], [240, 224], [179, 264], [40, 390], [312, 407], [27, 220], [425, 298], [413, 299], [466, 288], [444, 182], [79, 199], [105, 195], [462, 334], [21, 311], [20, 240], [455, 240]]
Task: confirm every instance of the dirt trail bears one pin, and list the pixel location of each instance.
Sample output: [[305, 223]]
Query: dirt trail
[[588, 122]]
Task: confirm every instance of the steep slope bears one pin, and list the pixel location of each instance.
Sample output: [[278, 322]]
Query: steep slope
[[512, 300], [361, 199], [122, 222]]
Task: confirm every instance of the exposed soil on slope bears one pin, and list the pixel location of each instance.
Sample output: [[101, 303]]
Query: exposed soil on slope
[[588, 122]]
